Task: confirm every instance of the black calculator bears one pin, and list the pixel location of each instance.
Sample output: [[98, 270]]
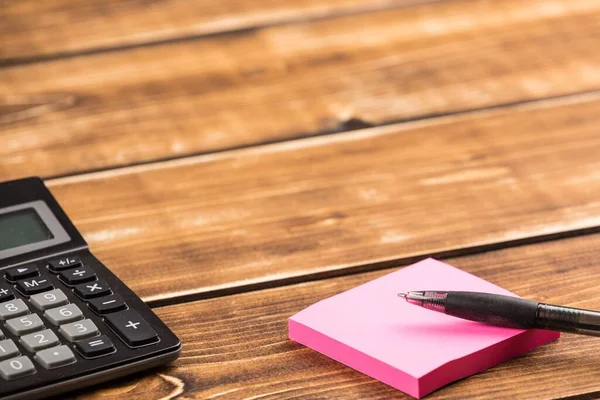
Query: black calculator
[[66, 321]]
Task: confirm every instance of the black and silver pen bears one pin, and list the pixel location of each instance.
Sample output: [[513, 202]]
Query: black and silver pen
[[507, 311]]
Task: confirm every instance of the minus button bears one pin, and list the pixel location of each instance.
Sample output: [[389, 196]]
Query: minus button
[[108, 304]]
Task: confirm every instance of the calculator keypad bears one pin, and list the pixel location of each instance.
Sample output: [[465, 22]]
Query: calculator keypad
[[48, 325]]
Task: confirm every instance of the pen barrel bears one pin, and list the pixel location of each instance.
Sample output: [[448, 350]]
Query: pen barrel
[[567, 319], [507, 311]]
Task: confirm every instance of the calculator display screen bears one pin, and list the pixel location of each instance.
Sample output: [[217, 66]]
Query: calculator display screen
[[22, 227]]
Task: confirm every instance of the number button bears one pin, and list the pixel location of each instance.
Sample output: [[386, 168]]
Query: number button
[[34, 286], [92, 289], [55, 357], [79, 330], [40, 340], [24, 272], [95, 347], [64, 263], [132, 328], [8, 349], [63, 315], [16, 368], [24, 325], [6, 293], [53, 298], [13, 309], [77, 275]]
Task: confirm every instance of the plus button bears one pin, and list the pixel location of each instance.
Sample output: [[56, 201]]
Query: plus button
[[132, 324], [132, 328]]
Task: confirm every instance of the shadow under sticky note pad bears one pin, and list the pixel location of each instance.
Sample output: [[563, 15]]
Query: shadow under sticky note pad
[[407, 347]]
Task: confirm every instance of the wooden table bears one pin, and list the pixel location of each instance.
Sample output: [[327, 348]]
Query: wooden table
[[236, 161]]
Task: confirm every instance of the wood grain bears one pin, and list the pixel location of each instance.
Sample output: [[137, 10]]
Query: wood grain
[[279, 83], [236, 347], [329, 205], [32, 29]]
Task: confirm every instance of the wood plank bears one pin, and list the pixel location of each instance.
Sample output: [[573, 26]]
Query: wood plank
[[236, 347], [293, 81], [328, 205], [32, 29]]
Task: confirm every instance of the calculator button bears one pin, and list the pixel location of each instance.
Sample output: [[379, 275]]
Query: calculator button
[[55, 357], [16, 368], [132, 328], [6, 293], [79, 330], [39, 340], [27, 271], [8, 349], [63, 315], [34, 285], [61, 264], [95, 347], [1, 335], [24, 325], [13, 309], [108, 304], [53, 298], [77, 275], [92, 289]]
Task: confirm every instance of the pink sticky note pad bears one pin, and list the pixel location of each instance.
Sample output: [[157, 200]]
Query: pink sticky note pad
[[369, 328]]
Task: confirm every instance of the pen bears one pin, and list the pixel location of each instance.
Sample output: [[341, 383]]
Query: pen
[[507, 311]]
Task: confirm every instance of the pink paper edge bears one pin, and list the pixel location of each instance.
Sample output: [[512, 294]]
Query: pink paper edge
[[353, 358], [485, 358], [419, 387]]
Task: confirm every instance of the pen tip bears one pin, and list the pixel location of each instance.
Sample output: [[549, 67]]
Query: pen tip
[[403, 295]]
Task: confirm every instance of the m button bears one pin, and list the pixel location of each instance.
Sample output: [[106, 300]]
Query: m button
[[132, 328], [34, 286], [92, 289]]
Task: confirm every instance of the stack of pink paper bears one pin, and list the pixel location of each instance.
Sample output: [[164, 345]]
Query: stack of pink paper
[[410, 348]]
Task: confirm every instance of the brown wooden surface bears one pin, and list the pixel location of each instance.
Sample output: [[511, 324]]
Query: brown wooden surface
[[236, 347], [33, 29], [278, 83], [336, 203], [475, 157]]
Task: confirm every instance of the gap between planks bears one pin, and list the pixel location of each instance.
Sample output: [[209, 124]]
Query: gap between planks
[[371, 7], [303, 142]]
